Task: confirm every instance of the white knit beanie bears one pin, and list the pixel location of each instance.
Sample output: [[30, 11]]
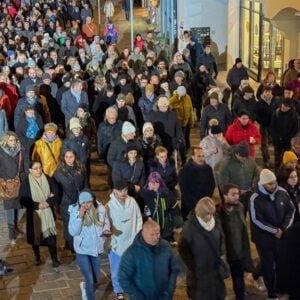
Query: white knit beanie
[[128, 128], [266, 176]]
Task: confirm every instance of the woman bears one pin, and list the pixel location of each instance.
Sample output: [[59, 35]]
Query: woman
[[148, 142], [270, 80], [288, 179], [161, 206], [87, 124], [166, 167], [11, 162], [38, 194], [71, 176], [29, 129], [131, 169], [203, 234], [88, 224]]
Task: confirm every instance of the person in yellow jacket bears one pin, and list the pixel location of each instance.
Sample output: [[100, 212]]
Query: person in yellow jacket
[[47, 149], [181, 103]]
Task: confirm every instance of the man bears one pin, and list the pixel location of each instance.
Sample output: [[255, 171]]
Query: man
[[239, 169], [147, 101], [196, 50], [148, 252], [72, 98], [31, 79], [126, 221], [291, 73], [196, 180], [107, 132], [179, 64], [209, 61], [246, 101], [283, 127], [166, 125], [236, 74], [29, 98], [232, 219], [271, 213], [263, 111]]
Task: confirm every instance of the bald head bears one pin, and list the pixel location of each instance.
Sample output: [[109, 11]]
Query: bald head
[[151, 232]]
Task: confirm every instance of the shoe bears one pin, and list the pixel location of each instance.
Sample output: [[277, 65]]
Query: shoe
[[260, 285], [83, 292], [272, 296], [55, 263], [120, 296], [37, 261]]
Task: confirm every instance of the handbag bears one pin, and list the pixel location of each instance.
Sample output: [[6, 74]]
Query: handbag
[[9, 188]]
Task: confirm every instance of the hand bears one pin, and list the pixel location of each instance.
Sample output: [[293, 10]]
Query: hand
[[279, 233], [81, 211], [43, 205], [51, 195]]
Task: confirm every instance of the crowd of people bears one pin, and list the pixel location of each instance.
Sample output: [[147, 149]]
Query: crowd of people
[[67, 91]]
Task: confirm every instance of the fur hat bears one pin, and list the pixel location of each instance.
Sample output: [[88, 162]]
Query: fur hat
[[289, 156], [266, 176], [128, 128], [74, 123]]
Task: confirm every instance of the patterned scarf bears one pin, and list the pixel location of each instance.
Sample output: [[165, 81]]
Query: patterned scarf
[[32, 128], [40, 191]]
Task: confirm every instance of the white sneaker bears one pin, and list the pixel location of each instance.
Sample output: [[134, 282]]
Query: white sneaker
[[260, 285], [83, 292]]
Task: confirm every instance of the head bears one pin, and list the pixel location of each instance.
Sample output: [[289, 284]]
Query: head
[[131, 151], [29, 111], [111, 115], [231, 194], [151, 232], [9, 139], [268, 180], [243, 117], [86, 199], [205, 209], [198, 156], [128, 131], [75, 126], [248, 93], [161, 154], [120, 190], [288, 177], [238, 62], [155, 182], [163, 104], [290, 159], [214, 99], [77, 85], [295, 144], [286, 105], [121, 100], [241, 151], [207, 49], [148, 130], [50, 130], [288, 92], [267, 93], [69, 157], [270, 77], [35, 169], [178, 77], [82, 110]]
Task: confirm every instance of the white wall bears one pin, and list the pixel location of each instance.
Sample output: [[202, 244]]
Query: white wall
[[205, 13]]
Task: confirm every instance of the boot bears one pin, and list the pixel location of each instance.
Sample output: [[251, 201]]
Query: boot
[[12, 236], [55, 262]]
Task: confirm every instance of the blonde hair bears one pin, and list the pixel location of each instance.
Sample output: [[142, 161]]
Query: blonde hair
[[205, 206]]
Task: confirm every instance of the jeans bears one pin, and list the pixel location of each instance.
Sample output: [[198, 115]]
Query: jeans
[[237, 276], [114, 262], [12, 217], [90, 269]]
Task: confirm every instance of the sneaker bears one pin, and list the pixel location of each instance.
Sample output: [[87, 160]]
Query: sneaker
[[83, 292], [120, 296], [260, 285]]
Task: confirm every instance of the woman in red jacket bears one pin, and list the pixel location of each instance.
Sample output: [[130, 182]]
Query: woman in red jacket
[[243, 129]]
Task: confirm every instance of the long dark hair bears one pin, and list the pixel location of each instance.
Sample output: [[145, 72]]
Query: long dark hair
[[283, 176], [79, 167]]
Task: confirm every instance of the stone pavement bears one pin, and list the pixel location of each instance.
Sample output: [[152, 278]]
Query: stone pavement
[[42, 282]]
